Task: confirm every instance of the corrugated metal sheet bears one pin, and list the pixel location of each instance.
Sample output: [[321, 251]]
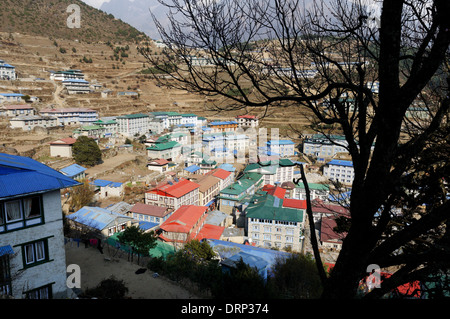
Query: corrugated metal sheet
[[96, 217], [22, 175]]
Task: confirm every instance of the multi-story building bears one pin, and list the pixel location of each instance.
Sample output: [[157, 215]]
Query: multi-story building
[[29, 122], [339, 170], [109, 125], [67, 75], [173, 194], [76, 86], [245, 121], [317, 191], [325, 147], [274, 172], [223, 126], [273, 222], [11, 97], [232, 197], [208, 190], [169, 150], [71, 116], [32, 255], [150, 213], [17, 110], [133, 124], [283, 148], [7, 71]]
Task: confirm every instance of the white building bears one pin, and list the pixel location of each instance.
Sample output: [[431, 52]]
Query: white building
[[32, 255], [325, 147], [245, 121], [7, 71], [338, 170], [107, 189], [283, 148], [275, 172], [70, 116], [131, 125], [11, 97], [16, 110], [76, 86], [29, 122], [62, 147], [67, 75]]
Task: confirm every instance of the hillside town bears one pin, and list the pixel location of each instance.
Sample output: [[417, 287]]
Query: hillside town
[[229, 182], [94, 147]]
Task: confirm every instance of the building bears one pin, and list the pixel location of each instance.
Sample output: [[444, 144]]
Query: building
[[131, 125], [274, 222], [246, 121], [76, 86], [184, 224], [101, 221], [66, 75], [226, 178], [274, 172], [173, 194], [70, 116], [107, 189], [62, 147], [74, 171], [339, 171], [223, 126], [93, 131], [317, 191], [11, 97], [208, 190], [150, 213], [29, 122], [321, 146], [168, 150], [234, 196], [7, 71], [17, 110], [32, 255], [160, 165], [283, 148], [109, 126]]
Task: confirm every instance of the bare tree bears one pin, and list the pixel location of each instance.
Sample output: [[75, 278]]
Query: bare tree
[[323, 57]]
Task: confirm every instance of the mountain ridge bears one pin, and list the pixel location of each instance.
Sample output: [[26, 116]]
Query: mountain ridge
[[49, 18]]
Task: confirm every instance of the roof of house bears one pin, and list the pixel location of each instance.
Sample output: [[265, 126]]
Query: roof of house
[[274, 190], [17, 107], [327, 234], [209, 231], [96, 217], [176, 189], [242, 184], [64, 141], [163, 146], [104, 183], [340, 163], [72, 170], [159, 162], [280, 142], [132, 116], [192, 168], [68, 110], [207, 182], [220, 173], [145, 209], [247, 116], [183, 219], [23, 175], [270, 207]]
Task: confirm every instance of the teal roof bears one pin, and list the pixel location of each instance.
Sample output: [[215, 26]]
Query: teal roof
[[132, 116], [163, 146], [271, 208]]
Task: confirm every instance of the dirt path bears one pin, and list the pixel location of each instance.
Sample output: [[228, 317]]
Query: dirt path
[[109, 164]]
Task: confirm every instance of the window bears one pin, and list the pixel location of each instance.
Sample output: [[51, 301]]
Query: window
[[20, 213], [44, 292], [35, 253], [5, 275]]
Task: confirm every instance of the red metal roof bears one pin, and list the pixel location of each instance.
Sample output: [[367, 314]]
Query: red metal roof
[[247, 116], [175, 189], [209, 231], [294, 203], [274, 191], [160, 161], [184, 219], [221, 173], [64, 141]]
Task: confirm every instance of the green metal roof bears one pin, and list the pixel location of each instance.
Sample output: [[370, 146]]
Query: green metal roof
[[271, 207], [163, 146], [132, 116]]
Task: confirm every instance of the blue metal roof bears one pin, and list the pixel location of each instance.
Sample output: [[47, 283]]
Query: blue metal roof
[[193, 168], [22, 175], [95, 217], [72, 170], [12, 94], [340, 163], [104, 183], [147, 225]]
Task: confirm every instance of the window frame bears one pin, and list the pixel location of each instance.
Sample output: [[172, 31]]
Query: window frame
[[8, 225], [36, 261]]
